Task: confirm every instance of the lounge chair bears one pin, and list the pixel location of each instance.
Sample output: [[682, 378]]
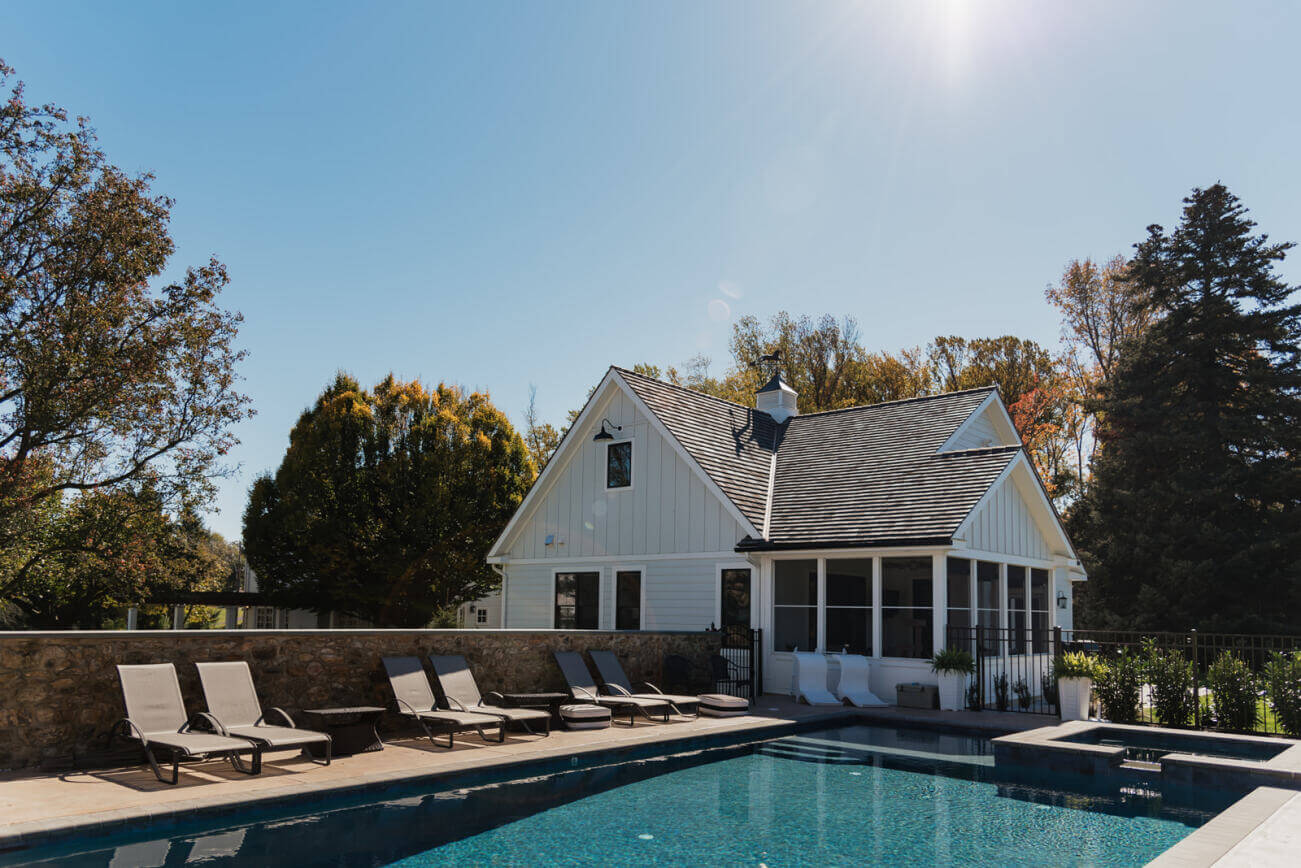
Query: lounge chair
[[458, 685], [415, 699], [155, 716], [853, 686], [582, 687], [809, 679], [616, 683], [232, 701]]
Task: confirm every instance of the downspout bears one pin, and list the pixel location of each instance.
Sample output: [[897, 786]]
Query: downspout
[[501, 571]]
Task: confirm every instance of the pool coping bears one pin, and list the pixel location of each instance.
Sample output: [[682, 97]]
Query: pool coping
[[23, 835], [1226, 831]]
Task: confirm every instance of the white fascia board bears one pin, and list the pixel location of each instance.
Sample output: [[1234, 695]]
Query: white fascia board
[[705, 478], [564, 453]]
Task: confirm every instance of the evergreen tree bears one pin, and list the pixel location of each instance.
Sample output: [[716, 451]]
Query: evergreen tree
[[1192, 518]]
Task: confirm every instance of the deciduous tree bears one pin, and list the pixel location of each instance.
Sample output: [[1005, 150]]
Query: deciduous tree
[[387, 502]]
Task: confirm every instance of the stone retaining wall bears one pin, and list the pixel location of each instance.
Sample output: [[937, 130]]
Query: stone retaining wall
[[59, 692]]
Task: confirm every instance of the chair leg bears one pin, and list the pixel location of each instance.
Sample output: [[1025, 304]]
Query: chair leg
[[158, 773]]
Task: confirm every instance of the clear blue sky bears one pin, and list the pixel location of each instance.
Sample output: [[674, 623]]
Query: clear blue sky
[[499, 194]]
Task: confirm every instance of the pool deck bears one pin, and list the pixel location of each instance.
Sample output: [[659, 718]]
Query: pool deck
[[41, 807], [1262, 829]]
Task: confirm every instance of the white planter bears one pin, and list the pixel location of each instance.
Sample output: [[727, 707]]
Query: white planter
[[1073, 693], [953, 691]]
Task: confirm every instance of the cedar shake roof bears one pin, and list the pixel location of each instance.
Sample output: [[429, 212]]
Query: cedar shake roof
[[861, 476]]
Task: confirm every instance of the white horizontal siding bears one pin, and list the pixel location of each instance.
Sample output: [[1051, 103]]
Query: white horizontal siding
[[1003, 524], [679, 594], [668, 511]]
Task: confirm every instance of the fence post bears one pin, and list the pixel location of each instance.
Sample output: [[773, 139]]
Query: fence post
[[1197, 693], [980, 666]]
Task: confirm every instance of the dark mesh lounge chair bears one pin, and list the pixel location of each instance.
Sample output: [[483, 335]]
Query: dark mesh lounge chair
[[462, 693], [616, 683], [155, 716], [232, 701], [415, 699], [582, 686]]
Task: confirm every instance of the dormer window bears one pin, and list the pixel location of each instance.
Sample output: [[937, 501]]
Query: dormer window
[[618, 464]]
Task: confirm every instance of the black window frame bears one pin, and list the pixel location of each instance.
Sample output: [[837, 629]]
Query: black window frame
[[609, 451], [590, 611]]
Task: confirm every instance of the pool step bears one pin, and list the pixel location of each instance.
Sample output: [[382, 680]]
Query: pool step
[[809, 753], [1141, 766]]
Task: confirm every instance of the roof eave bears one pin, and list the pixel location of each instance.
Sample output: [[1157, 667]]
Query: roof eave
[[750, 544]]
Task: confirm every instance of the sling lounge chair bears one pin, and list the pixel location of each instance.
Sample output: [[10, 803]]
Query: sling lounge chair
[[155, 717], [853, 687], [232, 701], [616, 683], [415, 699], [582, 686], [809, 679], [457, 682]]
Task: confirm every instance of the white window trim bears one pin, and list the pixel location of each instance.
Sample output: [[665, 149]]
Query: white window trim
[[640, 569], [632, 466], [718, 589], [600, 594]]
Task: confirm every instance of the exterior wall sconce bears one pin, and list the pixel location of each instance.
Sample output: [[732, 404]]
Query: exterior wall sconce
[[604, 434], [1062, 600]]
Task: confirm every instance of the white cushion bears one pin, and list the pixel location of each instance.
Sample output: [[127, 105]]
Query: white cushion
[[722, 705], [585, 716]]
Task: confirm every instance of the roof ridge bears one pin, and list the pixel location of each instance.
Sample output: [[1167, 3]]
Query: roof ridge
[[710, 397], [897, 401], [695, 392]]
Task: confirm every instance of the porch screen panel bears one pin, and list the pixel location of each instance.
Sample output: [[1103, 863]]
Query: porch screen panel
[[959, 614], [578, 601], [849, 605], [1039, 603], [795, 605], [1016, 608], [987, 601], [907, 618]]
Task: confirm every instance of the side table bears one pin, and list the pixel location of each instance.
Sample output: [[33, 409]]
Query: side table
[[352, 728]]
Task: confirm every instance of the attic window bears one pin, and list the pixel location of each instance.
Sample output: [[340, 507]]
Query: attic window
[[618, 464]]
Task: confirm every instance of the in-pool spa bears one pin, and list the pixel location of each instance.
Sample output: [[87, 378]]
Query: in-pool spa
[[846, 796], [1151, 745]]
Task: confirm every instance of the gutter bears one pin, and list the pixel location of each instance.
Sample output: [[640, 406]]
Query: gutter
[[750, 544]]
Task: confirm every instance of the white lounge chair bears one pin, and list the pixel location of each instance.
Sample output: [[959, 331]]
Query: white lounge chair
[[809, 679], [853, 687]]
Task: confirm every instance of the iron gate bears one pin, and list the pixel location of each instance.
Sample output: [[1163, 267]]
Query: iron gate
[[737, 668]]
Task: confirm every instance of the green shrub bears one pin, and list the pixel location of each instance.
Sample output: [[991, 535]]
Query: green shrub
[[1234, 700], [1171, 676], [1001, 700], [1117, 685], [1022, 691], [1076, 664], [973, 696], [953, 661], [1283, 689], [1048, 683]]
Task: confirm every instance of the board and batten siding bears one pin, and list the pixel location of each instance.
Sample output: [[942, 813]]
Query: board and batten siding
[[676, 594], [668, 510], [1003, 524]]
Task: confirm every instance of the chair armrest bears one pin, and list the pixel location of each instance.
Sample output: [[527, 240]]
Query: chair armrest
[[616, 690], [587, 694], [289, 721], [208, 720], [498, 698], [409, 709], [132, 730], [651, 688], [455, 704]]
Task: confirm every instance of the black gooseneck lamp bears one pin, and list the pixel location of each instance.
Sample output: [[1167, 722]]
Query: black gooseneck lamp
[[604, 434]]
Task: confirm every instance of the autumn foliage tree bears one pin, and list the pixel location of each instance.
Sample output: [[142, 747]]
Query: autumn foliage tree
[[117, 396], [387, 502]]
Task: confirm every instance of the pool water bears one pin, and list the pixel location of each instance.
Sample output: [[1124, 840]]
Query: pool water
[[820, 800], [846, 796]]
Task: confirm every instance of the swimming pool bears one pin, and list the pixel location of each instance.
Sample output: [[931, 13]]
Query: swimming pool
[[851, 795]]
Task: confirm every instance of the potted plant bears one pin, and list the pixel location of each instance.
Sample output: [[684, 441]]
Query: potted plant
[[953, 666], [1075, 672]]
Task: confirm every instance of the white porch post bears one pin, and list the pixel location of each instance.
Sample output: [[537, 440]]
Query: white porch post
[[1003, 619], [878, 641], [178, 617], [606, 609], [822, 605], [132, 618], [940, 600]]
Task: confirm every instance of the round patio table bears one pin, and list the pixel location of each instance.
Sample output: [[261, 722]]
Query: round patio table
[[352, 728]]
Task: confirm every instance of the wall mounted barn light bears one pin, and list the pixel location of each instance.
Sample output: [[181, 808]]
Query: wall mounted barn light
[[606, 435], [1062, 600]]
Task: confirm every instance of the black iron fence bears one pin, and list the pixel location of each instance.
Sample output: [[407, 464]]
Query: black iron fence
[[737, 668], [1188, 680]]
